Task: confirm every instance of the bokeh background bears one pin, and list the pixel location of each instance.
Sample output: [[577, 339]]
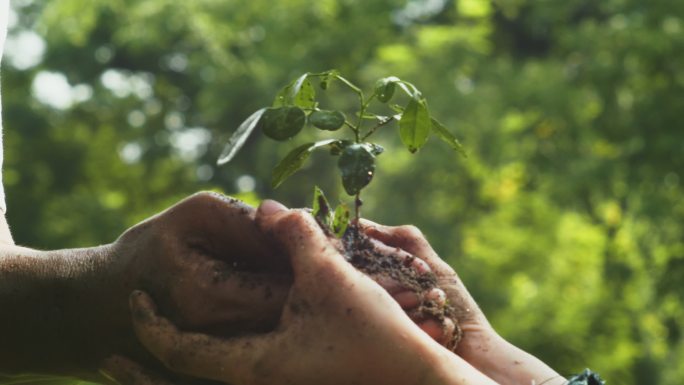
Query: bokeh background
[[566, 221]]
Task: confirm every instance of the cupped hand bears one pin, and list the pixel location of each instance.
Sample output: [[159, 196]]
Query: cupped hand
[[207, 266], [338, 326], [481, 345]]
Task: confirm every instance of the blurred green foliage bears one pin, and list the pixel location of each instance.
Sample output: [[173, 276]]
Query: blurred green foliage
[[566, 221]]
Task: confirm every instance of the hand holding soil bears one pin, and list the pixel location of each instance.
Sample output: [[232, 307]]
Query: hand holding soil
[[337, 325], [481, 346]]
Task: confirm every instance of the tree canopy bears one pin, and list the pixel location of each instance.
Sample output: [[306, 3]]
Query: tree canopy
[[566, 220]]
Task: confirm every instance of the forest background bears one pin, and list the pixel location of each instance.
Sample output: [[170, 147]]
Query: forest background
[[566, 220]]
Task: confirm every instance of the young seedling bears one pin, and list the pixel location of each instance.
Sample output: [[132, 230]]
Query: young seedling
[[296, 107]]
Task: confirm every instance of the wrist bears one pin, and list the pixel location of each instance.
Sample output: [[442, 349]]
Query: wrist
[[447, 368], [505, 363], [59, 310]]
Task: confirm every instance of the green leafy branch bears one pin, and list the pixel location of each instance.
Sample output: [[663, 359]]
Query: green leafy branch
[[295, 106]]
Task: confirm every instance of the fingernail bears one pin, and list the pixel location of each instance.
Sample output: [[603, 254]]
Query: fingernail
[[270, 207]]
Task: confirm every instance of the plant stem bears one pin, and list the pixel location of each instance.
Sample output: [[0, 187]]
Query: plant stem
[[374, 128], [357, 207]]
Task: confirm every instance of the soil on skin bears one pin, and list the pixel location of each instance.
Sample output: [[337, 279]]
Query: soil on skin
[[361, 252]]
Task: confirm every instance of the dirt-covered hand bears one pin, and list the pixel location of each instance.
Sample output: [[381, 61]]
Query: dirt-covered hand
[[338, 327], [480, 345], [410, 239], [203, 260], [208, 267]]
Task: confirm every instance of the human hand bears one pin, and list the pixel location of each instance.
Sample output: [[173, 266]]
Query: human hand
[[480, 345], [338, 327], [208, 267], [204, 260]]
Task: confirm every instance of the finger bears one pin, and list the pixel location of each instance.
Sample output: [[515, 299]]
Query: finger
[[437, 296], [442, 331], [410, 239], [301, 237], [433, 328], [407, 299], [194, 354], [406, 237], [224, 227], [417, 264], [127, 372]]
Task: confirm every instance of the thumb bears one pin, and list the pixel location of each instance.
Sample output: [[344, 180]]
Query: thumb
[[297, 232]]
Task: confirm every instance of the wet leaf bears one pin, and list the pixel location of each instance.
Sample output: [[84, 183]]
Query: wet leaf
[[327, 120], [357, 165], [282, 123], [414, 126], [447, 137], [238, 139], [299, 93], [321, 209], [340, 220], [384, 88], [303, 93], [294, 160]]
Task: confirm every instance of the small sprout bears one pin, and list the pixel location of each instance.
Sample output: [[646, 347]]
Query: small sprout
[[321, 209], [295, 106], [340, 220]]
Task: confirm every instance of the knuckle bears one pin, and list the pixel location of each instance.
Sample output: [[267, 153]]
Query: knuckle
[[409, 231], [295, 218], [205, 197]]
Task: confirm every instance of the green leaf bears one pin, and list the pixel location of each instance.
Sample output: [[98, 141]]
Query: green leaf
[[303, 93], [239, 138], [414, 126], [327, 120], [282, 123], [357, 165], [447, 137], [298, 93], [384, 88], [321, 209], [294, 160], [340, 220]]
